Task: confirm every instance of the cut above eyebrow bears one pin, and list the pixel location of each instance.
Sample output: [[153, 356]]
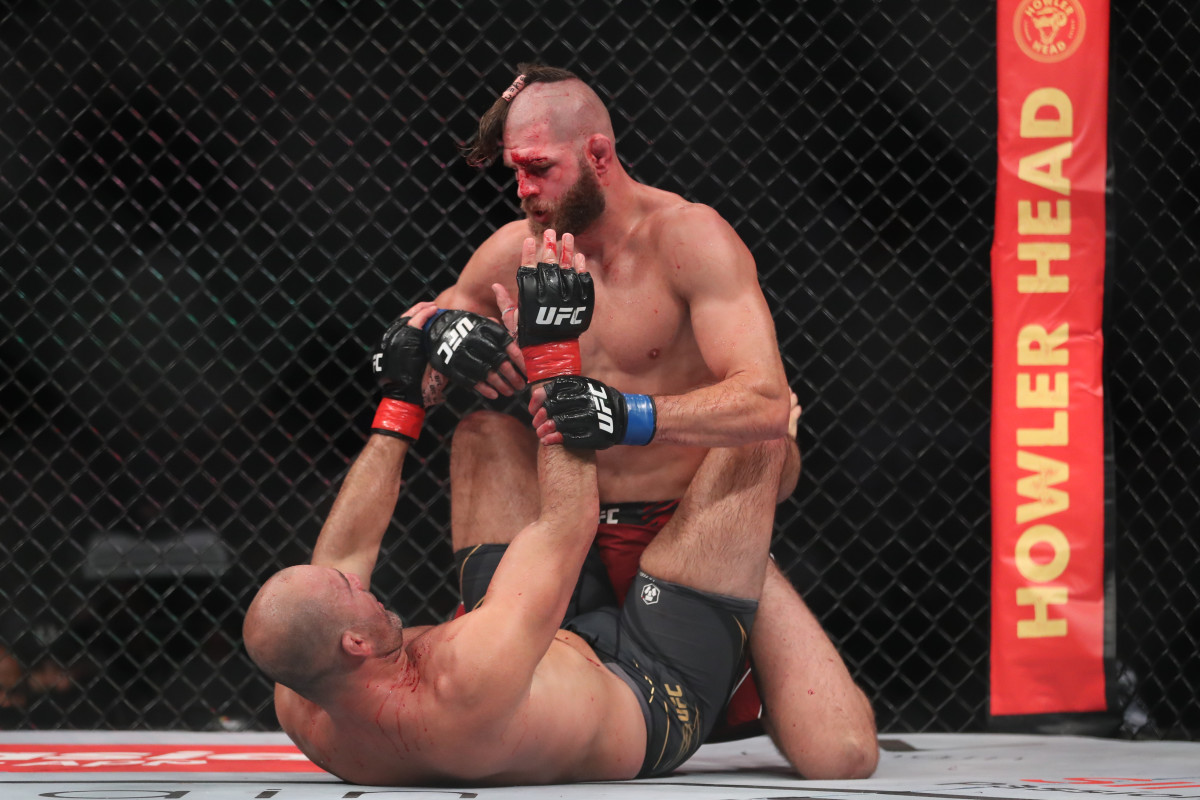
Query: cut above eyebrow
[[526, 161]]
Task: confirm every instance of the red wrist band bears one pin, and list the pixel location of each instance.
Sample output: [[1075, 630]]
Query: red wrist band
[[397, 418], [549, 360]]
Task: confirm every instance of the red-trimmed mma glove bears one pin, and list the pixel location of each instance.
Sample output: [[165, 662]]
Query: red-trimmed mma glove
[[465, 346], [592, 415], [399, 365], [554, 306]]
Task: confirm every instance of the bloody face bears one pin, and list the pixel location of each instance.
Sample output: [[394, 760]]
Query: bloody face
[[580, 206]]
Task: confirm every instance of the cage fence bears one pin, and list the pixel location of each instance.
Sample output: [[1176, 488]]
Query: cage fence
[[210, 212]]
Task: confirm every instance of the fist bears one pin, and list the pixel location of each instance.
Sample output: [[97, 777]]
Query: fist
[[466, 346], [586, 412], [399, 362]]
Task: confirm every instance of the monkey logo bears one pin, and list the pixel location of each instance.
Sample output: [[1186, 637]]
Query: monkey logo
[[1049, 30]]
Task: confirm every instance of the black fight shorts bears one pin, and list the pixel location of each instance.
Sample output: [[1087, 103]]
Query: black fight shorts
[[476, 566], [680, 650]]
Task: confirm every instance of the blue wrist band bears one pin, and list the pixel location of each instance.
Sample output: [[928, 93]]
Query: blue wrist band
[[641, 420], [427, 345], [429, 321]]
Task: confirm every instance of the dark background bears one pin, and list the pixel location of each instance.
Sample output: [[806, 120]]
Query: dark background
[[209, 211]]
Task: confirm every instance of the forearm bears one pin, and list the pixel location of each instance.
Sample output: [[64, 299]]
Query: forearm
[[726, 414], [569, 495], [354, 529], [539, 570]]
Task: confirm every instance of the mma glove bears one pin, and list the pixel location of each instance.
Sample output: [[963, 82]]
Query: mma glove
[[398, 365], [592, 415], [465, 346], [554, 306]]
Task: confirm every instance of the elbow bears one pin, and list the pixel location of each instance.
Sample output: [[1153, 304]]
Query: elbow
[[775, 413], [852, 758], [859, 759]]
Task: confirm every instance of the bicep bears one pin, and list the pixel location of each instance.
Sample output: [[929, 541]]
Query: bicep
[[491, 659], [505, 638], [729, 316]]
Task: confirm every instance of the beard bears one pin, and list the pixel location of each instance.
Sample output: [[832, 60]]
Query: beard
[[582, 205], [390, 633]]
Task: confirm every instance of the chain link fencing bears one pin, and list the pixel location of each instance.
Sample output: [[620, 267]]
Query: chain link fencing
[[210, 211]]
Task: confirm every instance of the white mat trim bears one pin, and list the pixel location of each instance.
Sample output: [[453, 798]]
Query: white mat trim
[[934, 766]]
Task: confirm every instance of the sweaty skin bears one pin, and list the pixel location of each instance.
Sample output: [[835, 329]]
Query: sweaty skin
[[497, 696], [404, 726], [679, 316], [678, 305]]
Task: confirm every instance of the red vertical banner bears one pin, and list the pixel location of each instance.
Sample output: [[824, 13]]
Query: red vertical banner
[[1047, 458]]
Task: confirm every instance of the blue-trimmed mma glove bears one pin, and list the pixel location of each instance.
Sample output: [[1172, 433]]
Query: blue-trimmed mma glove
[[555, 306], [465, 346], [399, 365], [592, 415]]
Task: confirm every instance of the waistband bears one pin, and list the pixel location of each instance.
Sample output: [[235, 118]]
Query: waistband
[[655, 512]]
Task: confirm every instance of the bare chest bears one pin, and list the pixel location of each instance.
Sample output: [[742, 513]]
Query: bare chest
[[392, 739], [640, 328]]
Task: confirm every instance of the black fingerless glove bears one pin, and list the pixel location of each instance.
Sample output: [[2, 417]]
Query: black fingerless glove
[[555, 306], [465, 346], [592, 415], [399, 365]]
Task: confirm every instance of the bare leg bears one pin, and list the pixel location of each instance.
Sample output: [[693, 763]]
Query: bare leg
[[718, 542], [719, 537], [493, 479], [816, 715]]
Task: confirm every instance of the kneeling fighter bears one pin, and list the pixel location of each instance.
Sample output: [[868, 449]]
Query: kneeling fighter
[[513, 693]]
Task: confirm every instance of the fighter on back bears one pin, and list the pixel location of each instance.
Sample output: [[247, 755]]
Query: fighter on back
[[502, 695]]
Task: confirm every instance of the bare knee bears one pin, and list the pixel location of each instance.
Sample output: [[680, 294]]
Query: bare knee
[[758, 462], [487, 428], [493, 479]]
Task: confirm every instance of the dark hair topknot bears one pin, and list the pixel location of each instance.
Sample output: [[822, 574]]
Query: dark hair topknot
[[481, 150]]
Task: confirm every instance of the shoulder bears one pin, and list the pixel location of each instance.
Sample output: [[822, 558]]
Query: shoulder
[[500, 252], [675, 223], [294, 712], [504, 245], [494, 261], [697, 243], [454, 670]]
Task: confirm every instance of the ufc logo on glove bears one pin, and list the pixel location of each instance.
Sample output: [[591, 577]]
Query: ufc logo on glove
[[454, 337], [603, 412], [549, 315]]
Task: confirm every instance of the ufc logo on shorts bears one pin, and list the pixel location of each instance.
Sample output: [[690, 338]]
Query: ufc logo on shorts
[[681, 708], [376, 366], [454, 336], [603, 412], [549, 315]]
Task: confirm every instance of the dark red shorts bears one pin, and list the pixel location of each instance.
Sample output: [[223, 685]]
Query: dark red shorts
[[624, 531]]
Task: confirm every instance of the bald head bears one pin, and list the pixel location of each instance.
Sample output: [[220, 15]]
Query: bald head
[[562, 107], [293, 628], [567, 111]]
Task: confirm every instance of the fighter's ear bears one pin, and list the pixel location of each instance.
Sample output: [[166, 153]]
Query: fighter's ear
[[355, 644], [600, 152]]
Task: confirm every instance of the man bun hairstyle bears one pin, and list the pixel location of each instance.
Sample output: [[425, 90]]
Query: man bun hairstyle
[[482, 149]]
